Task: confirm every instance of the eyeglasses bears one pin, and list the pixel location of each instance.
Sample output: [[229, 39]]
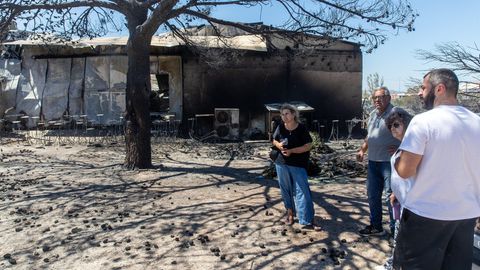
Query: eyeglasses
[[395, 125], [378, 97]]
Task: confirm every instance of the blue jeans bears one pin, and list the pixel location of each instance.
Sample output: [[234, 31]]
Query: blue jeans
[[378, 180], [296, 194]]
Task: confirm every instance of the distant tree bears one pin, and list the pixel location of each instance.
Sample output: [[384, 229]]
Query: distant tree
[[410, 101], [470, 99], [465, 60], [365, 21], [454, 56], [413, 83], [374, 81]]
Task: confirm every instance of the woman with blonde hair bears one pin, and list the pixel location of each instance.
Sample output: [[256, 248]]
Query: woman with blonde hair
[[293, 141]]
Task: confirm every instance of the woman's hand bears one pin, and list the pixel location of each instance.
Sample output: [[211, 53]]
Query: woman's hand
[[286, 152], [296, 150], [360, 155], [392, 199], [278, 145]]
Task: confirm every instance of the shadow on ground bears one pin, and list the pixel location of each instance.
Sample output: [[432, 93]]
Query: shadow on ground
[[83, 210]]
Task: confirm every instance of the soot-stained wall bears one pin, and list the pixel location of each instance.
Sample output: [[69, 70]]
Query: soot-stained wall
[[330, 81]]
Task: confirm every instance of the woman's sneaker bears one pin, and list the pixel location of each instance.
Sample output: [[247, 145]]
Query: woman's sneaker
[[370, 230]]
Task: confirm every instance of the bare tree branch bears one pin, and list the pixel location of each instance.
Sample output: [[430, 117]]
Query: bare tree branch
[[159, 16], [56, 5], [454, 55], [356, 20]]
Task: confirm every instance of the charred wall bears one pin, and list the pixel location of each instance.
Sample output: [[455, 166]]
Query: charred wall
[[247, 85], [329, 81]]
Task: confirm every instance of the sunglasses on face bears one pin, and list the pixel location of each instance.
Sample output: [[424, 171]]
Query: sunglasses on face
[[395, 125]]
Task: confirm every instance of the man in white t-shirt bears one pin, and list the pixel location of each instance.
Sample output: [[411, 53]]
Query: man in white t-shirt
[[440, 151]]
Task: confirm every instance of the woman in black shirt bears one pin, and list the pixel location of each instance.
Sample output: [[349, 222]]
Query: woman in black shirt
[[293, 141]]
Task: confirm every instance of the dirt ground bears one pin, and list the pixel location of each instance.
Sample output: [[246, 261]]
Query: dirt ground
[[201, 207]]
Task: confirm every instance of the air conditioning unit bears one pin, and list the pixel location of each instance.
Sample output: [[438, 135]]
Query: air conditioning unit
[[227, 122]]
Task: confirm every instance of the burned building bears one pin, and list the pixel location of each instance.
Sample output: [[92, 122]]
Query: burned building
[[239, 73]]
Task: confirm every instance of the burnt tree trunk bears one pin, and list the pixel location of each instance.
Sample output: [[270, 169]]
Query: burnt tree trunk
[[137, 114]]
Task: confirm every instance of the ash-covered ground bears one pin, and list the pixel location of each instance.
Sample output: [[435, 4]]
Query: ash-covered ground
[[202, 206]]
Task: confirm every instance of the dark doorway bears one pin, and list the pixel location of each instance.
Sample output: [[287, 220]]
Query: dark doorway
[[159, 97]]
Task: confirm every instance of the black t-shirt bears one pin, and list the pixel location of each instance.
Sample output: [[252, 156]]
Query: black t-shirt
[[297, 137]]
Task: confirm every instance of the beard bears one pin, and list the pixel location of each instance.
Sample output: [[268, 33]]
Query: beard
[[429, 100]]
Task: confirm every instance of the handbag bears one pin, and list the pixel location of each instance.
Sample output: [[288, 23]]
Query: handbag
[[273, 153]]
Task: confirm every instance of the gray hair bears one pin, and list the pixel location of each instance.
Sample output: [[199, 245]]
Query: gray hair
[[385, 90], [293, 110], [443, 76]]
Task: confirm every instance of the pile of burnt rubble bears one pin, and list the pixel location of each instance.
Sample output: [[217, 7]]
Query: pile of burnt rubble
[[239, 151], [326, 162], [220, 151]]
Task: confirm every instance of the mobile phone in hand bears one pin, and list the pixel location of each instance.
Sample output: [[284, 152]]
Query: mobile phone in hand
[[396, 210]]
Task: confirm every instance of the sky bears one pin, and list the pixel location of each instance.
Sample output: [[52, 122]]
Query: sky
[[440, 21]]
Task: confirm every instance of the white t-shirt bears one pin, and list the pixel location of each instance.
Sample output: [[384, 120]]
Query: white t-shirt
[[400, 186], [447, 182]]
